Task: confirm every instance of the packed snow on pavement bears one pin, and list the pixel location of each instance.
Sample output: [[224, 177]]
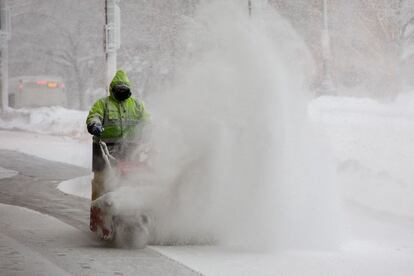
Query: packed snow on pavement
[[38, 244], [24, 260], [6, 173]]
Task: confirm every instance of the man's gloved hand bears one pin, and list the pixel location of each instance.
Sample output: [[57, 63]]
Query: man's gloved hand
[[95, 130]]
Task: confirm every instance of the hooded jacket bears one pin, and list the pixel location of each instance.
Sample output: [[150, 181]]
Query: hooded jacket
[[121, 120]]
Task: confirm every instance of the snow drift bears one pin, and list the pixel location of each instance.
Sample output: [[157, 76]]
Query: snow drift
[[55, 120]]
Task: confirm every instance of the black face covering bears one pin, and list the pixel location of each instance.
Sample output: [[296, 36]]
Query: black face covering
[[121, 92]]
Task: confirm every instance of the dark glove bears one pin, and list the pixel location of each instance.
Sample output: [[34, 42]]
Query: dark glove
[[95, 130]]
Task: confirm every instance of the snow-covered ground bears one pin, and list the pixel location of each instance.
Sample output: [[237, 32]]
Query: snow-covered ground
[[357, 258], [373, 144], [80, 186], [56, 148]]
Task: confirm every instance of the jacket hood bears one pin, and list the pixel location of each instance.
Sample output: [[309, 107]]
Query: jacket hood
[[120, 78]]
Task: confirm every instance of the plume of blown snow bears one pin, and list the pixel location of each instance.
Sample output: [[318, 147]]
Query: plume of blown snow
[[237, 161]]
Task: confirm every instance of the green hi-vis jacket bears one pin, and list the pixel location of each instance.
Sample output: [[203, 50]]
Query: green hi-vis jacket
[[121, 120]]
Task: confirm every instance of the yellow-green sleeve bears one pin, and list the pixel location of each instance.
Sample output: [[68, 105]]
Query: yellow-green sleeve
[[96, 113]]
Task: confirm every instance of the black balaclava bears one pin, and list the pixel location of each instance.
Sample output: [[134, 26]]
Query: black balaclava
[[121, 92]]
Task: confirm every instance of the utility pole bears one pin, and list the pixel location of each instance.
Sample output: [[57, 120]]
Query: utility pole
[[112, 37], [256, 5], [5, 34], [249, 6], [327, 86]]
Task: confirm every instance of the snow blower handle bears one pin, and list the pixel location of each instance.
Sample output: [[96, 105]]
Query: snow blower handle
[[107, 156]]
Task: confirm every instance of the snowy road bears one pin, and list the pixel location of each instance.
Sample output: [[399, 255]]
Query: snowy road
[[54, 239], [35, 187]]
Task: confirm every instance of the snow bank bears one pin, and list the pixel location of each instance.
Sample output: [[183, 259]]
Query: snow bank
[[54, 120], [53, 133], [55, 148]]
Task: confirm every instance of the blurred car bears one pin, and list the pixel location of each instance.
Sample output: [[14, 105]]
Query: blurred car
[[35, 91]]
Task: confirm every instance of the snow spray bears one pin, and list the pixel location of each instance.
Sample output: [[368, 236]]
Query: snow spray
[[237, 162]]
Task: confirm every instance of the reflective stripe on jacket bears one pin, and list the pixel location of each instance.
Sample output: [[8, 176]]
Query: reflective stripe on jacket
[[120, 120]]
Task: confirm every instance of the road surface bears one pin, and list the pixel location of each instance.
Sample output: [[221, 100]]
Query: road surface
[[54, 239]]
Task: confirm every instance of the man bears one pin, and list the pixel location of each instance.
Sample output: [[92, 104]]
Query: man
[[115, 120]]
